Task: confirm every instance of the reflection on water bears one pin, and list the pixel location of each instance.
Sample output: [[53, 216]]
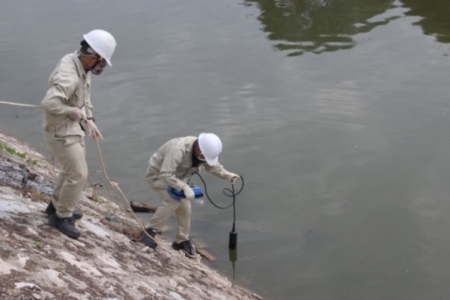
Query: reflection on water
[[435, 15], [318, 26], [233, 256]]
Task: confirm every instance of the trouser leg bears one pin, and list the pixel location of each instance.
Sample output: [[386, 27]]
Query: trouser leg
[[58, 185], [73, 175], [163, 213], [183, 214], [182, 210]]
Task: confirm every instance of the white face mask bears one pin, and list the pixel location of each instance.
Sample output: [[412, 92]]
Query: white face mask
[[98, 69], [100, 66], [198, 153]]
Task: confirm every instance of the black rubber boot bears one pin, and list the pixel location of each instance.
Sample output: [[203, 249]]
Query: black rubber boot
[[186, 247], [50, 210], [148, 241], [153, 232], [65, 225]]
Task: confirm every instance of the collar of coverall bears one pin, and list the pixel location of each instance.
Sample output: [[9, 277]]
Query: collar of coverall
[[80, 69]]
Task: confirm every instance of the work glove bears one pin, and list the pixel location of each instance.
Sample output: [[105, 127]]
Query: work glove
[[233, 177], [76, 114], [92, 130], [188, 193]]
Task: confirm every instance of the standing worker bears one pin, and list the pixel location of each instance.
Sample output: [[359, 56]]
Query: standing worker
[[67, 103], [173, 165]]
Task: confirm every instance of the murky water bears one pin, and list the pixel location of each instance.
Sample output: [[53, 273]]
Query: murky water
[[335, 112]]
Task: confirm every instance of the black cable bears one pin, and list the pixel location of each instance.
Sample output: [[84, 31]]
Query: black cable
[[232, 242], [234, 206], [227, 192]]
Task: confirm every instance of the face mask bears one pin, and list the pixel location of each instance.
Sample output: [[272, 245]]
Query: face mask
[[98, 68], [200, 156]]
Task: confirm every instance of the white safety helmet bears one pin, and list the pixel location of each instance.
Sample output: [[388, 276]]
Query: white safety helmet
[[102, 42], [211, 147]]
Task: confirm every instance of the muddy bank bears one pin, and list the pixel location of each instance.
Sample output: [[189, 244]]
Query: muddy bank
[[38, 262]]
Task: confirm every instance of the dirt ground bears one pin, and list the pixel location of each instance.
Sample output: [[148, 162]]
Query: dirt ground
[[107, 262]]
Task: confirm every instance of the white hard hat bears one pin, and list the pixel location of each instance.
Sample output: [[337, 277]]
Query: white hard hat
[[102, 42], [211, 147]]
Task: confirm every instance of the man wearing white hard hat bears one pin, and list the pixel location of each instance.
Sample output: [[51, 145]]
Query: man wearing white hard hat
[[66, 104], [173, 165]]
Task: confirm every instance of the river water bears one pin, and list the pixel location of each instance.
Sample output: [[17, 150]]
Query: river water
[[335, 112]]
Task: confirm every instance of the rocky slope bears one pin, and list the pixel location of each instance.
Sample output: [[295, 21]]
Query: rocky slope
[[107, 262]]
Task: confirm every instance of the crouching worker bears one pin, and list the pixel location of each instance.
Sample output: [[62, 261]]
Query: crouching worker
[[173, 165], [66, 103]]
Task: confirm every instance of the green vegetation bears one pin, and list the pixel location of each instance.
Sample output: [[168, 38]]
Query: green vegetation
[[31, 162], [38, 244], [99, 199], [12, 151]]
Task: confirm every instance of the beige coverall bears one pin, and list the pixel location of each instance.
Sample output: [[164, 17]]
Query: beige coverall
[[69, 85], [172, 166]]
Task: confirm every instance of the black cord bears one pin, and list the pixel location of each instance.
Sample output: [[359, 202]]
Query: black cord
[[232, 242], [234, 206], [227, 192]]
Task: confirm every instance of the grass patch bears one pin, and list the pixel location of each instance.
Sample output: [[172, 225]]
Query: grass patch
[[12, 151], [99, 199], [31, 162], [37, 244]]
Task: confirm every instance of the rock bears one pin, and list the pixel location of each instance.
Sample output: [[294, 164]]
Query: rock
[[141, 207]]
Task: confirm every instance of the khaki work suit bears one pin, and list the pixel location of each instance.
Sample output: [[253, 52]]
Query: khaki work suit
[[172, 166], [69, 85]]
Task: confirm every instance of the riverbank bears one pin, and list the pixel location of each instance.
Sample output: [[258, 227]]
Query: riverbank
[[38, 262]]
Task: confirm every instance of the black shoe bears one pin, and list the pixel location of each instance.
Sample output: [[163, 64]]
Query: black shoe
[[152, 231], [50, 210], [65, 225], [186, 247], [148, 241]]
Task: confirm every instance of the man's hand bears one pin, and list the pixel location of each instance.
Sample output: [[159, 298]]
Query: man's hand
[[188, 193], [233, 177], [76, 114], [92, 130]]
